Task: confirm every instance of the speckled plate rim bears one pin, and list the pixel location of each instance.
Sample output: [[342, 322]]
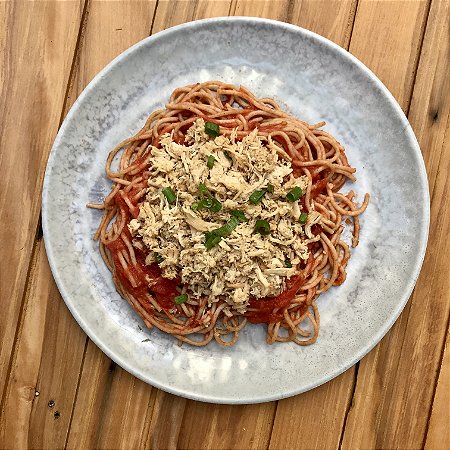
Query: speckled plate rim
[[421, 243]]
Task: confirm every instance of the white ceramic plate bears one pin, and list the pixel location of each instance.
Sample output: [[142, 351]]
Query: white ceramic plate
[[315, 80]]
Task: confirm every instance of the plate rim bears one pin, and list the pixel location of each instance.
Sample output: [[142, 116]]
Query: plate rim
[[422, 238]]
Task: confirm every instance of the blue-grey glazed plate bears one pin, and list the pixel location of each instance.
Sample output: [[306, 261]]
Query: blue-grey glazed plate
[[313, 79]]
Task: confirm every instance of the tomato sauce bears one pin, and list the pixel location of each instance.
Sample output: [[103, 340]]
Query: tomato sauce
[[265, 306]]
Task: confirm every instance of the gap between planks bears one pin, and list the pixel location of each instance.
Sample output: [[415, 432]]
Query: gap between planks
[[438, 372], [423, 29], [38, 236], [80, 36], [77, 49]]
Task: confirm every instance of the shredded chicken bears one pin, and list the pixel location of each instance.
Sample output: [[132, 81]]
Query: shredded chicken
[[244, 264]]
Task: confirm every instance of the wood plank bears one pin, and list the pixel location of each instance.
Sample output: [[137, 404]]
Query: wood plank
[[332, 19], [124, 426], [336, 25], [54, 333], [40, 371], [396, 381], [387, 38], [21, 390], [166, 421], [227, 426], [37, 43], [249, 426], [159, 431], [438, 435], [94, 386], [174, 12], [111, 28], [314, 419]]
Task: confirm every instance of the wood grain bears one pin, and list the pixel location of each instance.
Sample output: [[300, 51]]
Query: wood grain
[[227, 426], [387, 36], [108, 31], [335, 395], [396, 380], [162, 432], [252, 428], [41, 375], [205, 415], [93, 387], [174, 12], [58, 376], [311, 411], [336, 24], [166, 421], [96, 403], [34, 72], [438, 436]]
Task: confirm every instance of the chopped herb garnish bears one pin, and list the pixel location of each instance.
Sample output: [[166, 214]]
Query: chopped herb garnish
[[208, 201], [257, 196], [216, 205], [294, 194], [287, 263], [179, 299], [239, 215], [303, 218], [227, 229], [262, 227], [212, 240], [158, 258], [211, 161], [194, 206], [203, 190], [212, 129], [169, 194]]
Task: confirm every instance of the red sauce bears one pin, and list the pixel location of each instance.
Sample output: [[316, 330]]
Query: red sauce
[[163, 289], [265, 306], [319, 188], [315, 172]]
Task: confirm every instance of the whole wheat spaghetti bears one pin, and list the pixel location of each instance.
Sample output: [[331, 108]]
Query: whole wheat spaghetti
[[306, 202]]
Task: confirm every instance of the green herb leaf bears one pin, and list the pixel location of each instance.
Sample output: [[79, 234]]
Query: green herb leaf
[[211, 240], [216, 205], [287, 263], [212, 129], [294, 194], [203, 190], [239, 215], [262, 227], [211, 161], [208, 201], [158, 258], [303, 218], [179, 299], [269, 188], [228, 156], [228, 228], [257, 196], [169, 194]]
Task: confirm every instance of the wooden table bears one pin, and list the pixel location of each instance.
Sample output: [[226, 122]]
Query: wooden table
[[59, 390]]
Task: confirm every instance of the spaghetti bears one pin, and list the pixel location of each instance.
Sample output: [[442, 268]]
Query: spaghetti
[[314, 155]]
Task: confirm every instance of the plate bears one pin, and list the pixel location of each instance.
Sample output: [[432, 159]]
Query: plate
[[313, 79]]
